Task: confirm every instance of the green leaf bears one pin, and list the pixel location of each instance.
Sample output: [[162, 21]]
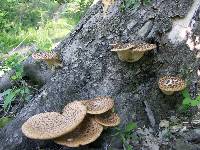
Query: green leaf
[[129, 147], [8, 100], [186, 101], [4, 121], [6, 92], [198, 98], [186, 94], [130, 126], [194, 103]]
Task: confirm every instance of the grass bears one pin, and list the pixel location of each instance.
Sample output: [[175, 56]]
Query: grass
[[33, 23]]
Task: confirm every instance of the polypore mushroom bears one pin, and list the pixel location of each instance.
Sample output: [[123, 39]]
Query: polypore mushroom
[[52, 124], [106, 4], [88, 131], [98, 105], [108, 119], [75, 111], [131, 52], [51, 58], [170, 84]]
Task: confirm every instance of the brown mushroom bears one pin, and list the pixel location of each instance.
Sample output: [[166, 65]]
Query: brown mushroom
[[131, 52], [87, 132], [98, 105], [75, 111], [171, 84], [51, 58], [49, 125], [108, 119]]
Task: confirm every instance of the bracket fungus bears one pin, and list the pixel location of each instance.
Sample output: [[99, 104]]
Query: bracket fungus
[[98, 105], [75, 112], [131, 52], [51, 58], [52, 124], [88, 131], [74, 127], [48, 125], [108, 119], [170, 84]]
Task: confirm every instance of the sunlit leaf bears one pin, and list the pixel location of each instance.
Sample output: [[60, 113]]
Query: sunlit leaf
[[186, 93], [130, 126]]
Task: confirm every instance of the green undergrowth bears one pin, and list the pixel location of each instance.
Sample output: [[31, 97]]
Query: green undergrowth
[[126, 135], [37, 21], [188, 102]]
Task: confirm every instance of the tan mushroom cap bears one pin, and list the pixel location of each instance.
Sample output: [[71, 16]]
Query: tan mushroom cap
[[48, 125], [52, 124], [170, 83], [98, 105], [108, 119], [45, 56], [75, 112], [140, 47], [88, 131]]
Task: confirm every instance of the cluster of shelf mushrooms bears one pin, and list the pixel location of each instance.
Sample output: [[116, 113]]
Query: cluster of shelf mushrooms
[[80, 123], [129, 52], [132, 52]]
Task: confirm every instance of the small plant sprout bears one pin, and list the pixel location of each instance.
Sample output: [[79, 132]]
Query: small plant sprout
[[188, 101], [11, 94], [51, 58], [126, 135], [131, 52], [171, 84]]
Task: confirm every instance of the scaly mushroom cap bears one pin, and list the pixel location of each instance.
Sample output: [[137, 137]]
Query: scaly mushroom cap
[[49, 125], [75, 112], [108, 119], [45, 56], [88, 131], [169, 83], [141, 47], [98, 105]]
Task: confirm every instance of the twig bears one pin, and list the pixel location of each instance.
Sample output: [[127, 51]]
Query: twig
[[20, 43]]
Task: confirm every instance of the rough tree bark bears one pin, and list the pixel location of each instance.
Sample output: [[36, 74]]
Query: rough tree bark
[[91, 69]]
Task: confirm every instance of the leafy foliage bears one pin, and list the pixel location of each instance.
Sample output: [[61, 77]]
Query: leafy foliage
[[14, 62], [126, 134], [188, 101], [10, 95]]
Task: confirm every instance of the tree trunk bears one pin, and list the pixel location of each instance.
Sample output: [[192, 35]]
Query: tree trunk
[[91, 69]]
